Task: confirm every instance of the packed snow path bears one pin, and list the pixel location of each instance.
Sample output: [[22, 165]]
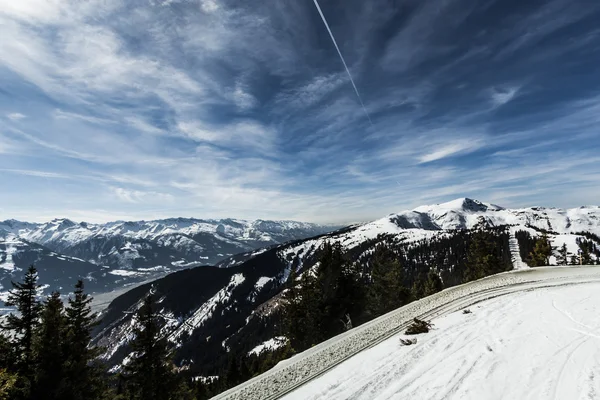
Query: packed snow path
[[515, 253], [541, 344], [291, 374]]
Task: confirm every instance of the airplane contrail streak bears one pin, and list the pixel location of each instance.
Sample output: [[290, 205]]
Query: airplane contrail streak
[[342, 58]]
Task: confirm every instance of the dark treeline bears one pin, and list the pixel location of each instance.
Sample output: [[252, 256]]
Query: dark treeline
[[536, 251], [45, 352], [341, 292]]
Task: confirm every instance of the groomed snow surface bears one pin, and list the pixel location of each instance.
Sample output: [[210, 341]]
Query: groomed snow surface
[[534, 334], [540, 344]]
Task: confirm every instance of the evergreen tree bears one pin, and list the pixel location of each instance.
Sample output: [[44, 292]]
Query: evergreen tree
[[7, 354], [301, 315], [8, 377], [387, 291], [7, 384], [23, 296], [233, 375], [486, 255], [418, 288], [541, 252], [50, 357], [339, 290], [82, 375], [150, 373], [434, 283], [563, 258]]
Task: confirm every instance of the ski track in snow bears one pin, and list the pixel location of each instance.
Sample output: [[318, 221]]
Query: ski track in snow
[[521, 346], [516, 336]]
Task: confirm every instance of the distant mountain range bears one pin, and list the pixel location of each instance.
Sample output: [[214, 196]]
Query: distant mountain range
[[211, 311], [111, 255]]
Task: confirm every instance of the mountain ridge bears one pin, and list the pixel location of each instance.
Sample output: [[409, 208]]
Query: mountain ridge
[[131, 252], [226, 315]]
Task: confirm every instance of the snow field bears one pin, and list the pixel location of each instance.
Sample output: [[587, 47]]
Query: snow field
[[291, 374], [540, 344]]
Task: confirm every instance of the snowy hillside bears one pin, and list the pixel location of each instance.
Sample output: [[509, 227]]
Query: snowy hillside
[[196, 304], [439, 219], [539, 344]]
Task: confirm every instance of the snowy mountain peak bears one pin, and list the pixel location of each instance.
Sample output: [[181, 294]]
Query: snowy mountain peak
[[466, 213], [463, 204]]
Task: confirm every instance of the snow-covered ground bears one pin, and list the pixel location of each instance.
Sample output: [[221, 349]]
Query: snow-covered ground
[[271, 344], [299, 372], [540, 344]]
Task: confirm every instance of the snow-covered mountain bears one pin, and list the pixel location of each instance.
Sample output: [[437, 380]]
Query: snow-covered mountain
[[437, 220], [143, 243], [56, 271], [121, 253], [209, 310]]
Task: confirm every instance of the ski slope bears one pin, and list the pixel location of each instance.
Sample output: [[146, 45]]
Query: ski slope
[[312, 369], [541, 344]]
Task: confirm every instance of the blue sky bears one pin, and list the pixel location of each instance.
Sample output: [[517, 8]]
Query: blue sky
[[146, 109]]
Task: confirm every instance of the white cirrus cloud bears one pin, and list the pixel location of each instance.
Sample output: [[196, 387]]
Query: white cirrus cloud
[[502, 95], [15, 116]]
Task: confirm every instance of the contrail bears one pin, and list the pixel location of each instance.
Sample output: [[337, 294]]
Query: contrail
[[342, 58]]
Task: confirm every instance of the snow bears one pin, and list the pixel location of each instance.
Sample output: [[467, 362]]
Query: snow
[[70, 232], [261, 282], [4, 297], [122, 272], [10, 243], [425, 222], [205, 311], [557, 242], [515, 252], [537, 344], [269, 345], [299, 370], [205, 379]]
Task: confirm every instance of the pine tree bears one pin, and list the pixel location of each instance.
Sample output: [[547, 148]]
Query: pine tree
[[233, 375], [50, 357], [485, 256], [8, 377], [563, 255], [541, 252], [340, 294], [7, 384], [82, 375], [23, 296], [150, 371], [7, 354], [418, 288], [387, 290], [434, 283], [301, 315]]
